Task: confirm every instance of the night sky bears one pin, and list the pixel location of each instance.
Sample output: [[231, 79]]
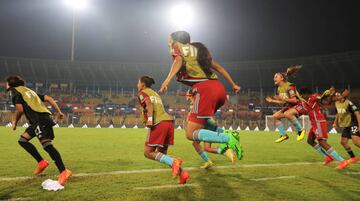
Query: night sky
[[137, 30]]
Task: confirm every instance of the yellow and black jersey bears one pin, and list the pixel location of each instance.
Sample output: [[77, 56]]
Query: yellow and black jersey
[[346, 113]]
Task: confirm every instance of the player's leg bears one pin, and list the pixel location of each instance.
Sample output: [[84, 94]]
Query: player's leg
[[311, 141], [345, 143], [332, 152], [24, 142], [277, 116], [291, 114], [355, 137], [197, 146]]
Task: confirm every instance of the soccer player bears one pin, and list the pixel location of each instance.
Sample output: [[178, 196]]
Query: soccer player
[[210, 124], [319, 125], [161, 128], [193, 65], [293, 108], [32, 105], [347, 118]]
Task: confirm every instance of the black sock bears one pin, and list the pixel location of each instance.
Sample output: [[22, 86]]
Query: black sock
[[350, 152], [30, 148], [55, 155]]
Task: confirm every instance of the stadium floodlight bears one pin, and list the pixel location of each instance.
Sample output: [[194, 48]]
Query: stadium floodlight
[[77, 4], [181, 15]]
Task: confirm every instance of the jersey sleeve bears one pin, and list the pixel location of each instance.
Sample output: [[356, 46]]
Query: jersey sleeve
[[143, 97], [16, 97], [42, 97], [352, 107], [313, 100], [176, 51], [292, 91]]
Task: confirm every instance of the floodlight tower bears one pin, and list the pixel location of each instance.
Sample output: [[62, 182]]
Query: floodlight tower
[[76, 6]]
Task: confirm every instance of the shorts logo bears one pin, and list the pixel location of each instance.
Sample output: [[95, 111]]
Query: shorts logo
[[354, 129]]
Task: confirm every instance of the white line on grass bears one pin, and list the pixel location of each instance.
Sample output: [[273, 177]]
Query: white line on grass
[[167, 170], [352, 173], [273, 178], [16, 199], [166, 186]]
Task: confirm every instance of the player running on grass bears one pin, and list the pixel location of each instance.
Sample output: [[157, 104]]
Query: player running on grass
[[319, 125], [32, 105], [161, 128], [210, 125], [347, 118], [292, 106], [193, 65]]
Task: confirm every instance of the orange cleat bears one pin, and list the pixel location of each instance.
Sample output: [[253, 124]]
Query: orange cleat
[[342, 165], [64, 176], [184, 176], [328, 160], [42, 165], [353, 160], [176, 167]]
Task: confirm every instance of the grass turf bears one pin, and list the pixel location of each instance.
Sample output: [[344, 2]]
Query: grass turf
[[106, 150]]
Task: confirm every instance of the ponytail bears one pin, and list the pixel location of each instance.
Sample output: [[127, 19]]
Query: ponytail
[[204, 58]]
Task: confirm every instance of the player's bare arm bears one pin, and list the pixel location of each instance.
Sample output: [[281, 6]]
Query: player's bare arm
[[52, 102], [217, 67], [175, 67], [18, 113]]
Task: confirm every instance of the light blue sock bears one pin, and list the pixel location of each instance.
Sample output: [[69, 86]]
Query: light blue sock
[[219, 150], [321, 151], [334, 154], [204, 155], [219, 129], [163, 158], [281, 129], [296, 124], [210, 136]]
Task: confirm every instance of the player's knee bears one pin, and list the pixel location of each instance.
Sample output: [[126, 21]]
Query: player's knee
[[147, 154], [22, 140], [344, 143], [47, 145], [310, 141]]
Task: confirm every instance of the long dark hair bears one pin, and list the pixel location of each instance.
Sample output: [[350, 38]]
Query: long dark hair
[[15, 81], [290, 71], [147, 80], [204, 58], [181, 37]]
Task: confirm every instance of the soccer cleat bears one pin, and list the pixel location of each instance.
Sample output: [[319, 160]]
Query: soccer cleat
[[328, 160], [342, 165], [230, 154], [353, 160], [176, 167], [207, 165], [223, 148], [235, 145], [183, 177], [282, 138], [42, 165], [301, 135], [64, 176]]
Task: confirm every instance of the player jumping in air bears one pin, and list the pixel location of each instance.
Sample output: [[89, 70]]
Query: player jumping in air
[[347, 118], [193, 65], [32, 105], [319, 125], [293, 108], [161, 128], [210, 125]]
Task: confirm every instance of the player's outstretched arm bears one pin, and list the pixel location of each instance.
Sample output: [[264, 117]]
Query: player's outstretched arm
[[18, 113], [217, 67], [175, 67], [52, 102]]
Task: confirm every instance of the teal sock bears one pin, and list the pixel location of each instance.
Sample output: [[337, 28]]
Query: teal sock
[[219, 129], [163, 158], [210, 136], [296, 124], [281, 129], [334, 154], [219, 150], [204, 155], [321, 151]]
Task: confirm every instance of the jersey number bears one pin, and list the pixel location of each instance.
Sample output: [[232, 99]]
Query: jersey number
[[38, 131], [30, 94], [189, 50]]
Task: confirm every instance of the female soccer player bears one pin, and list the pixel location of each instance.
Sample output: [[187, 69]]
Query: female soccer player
[[347, 118], [210, 124], [293, 108], [32, 105], [193, 65], [318, 129], [161, 128]]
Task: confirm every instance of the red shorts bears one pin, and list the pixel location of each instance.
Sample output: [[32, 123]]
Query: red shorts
[[299, 107], [319, 129], [210, 96], [161, 134]]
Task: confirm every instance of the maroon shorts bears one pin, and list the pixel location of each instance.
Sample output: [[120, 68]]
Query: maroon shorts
[[161, 134], [299, 107], [210, 96], [319, 129]]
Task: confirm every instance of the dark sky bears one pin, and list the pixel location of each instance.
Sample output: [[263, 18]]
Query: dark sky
[[137, 30]]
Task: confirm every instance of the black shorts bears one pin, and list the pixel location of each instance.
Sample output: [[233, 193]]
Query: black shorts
[[349, 131], [42, 132]]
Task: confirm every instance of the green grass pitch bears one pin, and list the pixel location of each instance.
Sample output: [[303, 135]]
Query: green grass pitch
[[269, 171]]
